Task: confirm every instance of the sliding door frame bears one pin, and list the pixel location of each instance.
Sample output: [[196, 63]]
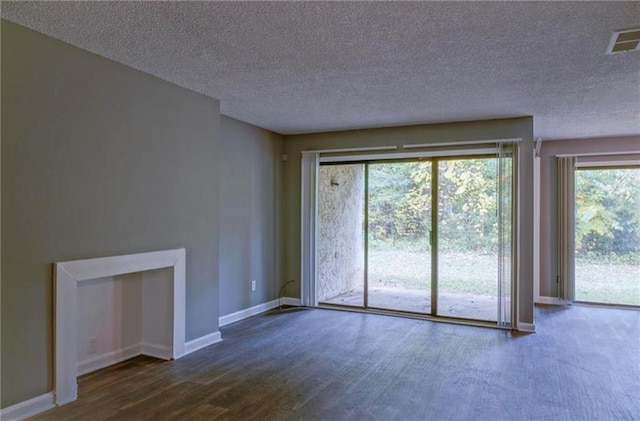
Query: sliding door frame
[[308, 276], [433, 236], [365, 292], [603, 164]]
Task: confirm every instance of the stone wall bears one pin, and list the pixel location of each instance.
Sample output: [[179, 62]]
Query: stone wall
[[340, 229]]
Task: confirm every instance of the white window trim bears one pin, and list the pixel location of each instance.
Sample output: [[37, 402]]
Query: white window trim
[[606, 163], [406, 155]]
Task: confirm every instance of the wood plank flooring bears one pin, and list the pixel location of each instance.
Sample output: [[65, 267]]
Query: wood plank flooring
[[582, 364]]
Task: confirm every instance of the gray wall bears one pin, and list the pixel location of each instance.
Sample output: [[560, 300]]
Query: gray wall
[[549, 191], [475, 130], [98, 159], [250, 182]]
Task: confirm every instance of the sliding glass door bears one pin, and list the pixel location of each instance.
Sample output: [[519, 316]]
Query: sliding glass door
[[468, 238], [607, 235], [430, 236], [399, 231]]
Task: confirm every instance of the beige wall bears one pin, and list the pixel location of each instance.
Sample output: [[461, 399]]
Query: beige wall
[[250, 179], [548, 196], [98, 159], [477, 130]]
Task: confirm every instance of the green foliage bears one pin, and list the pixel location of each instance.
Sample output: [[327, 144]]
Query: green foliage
[[468, 205], [607, 204], [608, 214], [400, 204], [389, 185]]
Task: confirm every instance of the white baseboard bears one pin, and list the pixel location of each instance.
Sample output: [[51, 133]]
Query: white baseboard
[[247, 312], [260, 308], [109, 358], [202, 342], [550, 300], [290, 301], [526, 327], [29, 408], [158, 351]]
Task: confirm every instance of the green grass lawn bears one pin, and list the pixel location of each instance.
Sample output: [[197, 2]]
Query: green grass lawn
[[458, 272], [616, 283], [477, 274]]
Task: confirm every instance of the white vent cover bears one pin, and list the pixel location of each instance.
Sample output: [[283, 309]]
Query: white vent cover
[[624, 41]]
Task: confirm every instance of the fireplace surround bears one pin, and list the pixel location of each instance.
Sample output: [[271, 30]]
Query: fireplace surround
[[67, 276]]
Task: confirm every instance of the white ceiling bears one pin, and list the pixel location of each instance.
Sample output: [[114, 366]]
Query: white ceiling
[[321, 66]]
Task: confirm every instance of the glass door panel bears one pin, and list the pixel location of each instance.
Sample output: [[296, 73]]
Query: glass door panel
[[340, 237], [468, 238], [608, 236], [399, 228]]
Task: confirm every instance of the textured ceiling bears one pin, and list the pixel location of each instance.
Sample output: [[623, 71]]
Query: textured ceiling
[[321, 66]]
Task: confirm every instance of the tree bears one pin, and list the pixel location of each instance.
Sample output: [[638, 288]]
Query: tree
[[608, 213], [400, 204]]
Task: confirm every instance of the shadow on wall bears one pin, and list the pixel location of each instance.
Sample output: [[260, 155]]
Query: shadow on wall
[[340, 229]]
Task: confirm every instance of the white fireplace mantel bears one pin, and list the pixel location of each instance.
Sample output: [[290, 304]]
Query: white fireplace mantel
[[67, 275]]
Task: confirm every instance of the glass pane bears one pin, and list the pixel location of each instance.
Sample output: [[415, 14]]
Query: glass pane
[[468, 238], [608, 236], [399, 258], [340, 243]]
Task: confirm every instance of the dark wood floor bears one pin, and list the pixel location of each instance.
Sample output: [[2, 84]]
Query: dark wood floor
[[582, 364]]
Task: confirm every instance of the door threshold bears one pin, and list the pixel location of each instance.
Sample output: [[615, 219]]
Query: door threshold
[[413, 315], [607, 305]]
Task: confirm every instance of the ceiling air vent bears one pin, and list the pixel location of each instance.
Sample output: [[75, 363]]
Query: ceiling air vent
[[624, 41]]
